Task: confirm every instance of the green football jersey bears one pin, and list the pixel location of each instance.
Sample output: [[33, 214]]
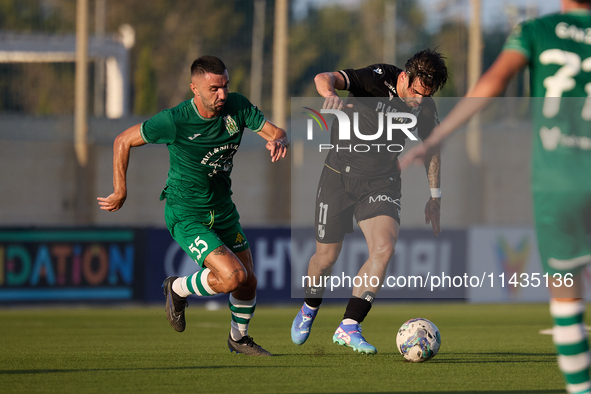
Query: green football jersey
[[201, 150], [558, 48]]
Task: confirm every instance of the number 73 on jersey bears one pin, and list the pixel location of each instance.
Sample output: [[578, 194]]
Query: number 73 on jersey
[[563, 80]]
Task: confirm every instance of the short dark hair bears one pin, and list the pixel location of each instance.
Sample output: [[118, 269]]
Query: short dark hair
[[208, 64], [583, 1], [429, 66]]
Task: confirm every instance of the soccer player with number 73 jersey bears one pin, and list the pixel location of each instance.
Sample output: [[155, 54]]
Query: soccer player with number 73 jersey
[[557, 49]]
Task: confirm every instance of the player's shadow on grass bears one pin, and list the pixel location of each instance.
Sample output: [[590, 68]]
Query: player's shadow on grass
[[43, 371], [472, 391], [477, 358], [455, 358], [479, 354]]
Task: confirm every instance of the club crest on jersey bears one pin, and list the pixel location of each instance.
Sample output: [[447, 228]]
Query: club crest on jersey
[[231, 125], [390, 87]]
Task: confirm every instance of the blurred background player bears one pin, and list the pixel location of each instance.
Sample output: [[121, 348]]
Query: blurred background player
[[557, 50], [350, 180], [202, 135]]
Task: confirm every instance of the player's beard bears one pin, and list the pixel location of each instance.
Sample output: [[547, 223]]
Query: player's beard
[[219, 105], [215, 107]]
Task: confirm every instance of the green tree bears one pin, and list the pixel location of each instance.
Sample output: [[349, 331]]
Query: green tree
[[336, 37], [28, 16], [178, 32], [31, 88]]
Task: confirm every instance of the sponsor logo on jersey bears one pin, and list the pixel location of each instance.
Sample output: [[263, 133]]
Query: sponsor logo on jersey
[[194, 136], [231, 125], [552, 138], [378, 71], [383, 107], [220, 159]]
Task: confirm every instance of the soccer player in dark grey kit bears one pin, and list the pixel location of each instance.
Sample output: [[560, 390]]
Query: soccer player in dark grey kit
[[352, 184], [202, 135]]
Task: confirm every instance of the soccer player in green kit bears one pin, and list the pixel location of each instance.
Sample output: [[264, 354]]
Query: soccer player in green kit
[[202, 135], [557, 49]]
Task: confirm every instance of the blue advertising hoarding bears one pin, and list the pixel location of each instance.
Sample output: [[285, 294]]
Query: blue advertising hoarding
[[281, 256], [68, 264], [114, 265]]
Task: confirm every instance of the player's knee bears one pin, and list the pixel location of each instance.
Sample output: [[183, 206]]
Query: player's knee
[[382, 252], [235, 280], [325, 260]]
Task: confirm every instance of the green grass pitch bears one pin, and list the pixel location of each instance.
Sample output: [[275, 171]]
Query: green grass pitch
[[485, 348]]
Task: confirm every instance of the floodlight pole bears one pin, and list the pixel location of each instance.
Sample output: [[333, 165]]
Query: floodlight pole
[[81, 89], [280, 198], [473, 137], [99, 62], [474, 45], [256, 57], [83, 204], [474, 132], [390, 32], [280, 63]]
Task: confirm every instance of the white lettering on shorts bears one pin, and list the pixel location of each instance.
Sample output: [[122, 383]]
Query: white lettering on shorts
[[384, 197]]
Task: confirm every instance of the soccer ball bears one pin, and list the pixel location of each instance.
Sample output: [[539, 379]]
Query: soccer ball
[[418, 340]]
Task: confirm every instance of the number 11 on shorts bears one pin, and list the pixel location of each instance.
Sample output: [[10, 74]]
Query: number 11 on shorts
[[323, 213], [322, 220]]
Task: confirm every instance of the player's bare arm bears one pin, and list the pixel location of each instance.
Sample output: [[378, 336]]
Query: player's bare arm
[[327, 85], [491, 84], [121, 148], [277, 141], [433, 207]]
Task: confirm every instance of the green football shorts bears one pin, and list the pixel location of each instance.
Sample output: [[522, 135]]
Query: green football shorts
[[560, 225], [199, 234]]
